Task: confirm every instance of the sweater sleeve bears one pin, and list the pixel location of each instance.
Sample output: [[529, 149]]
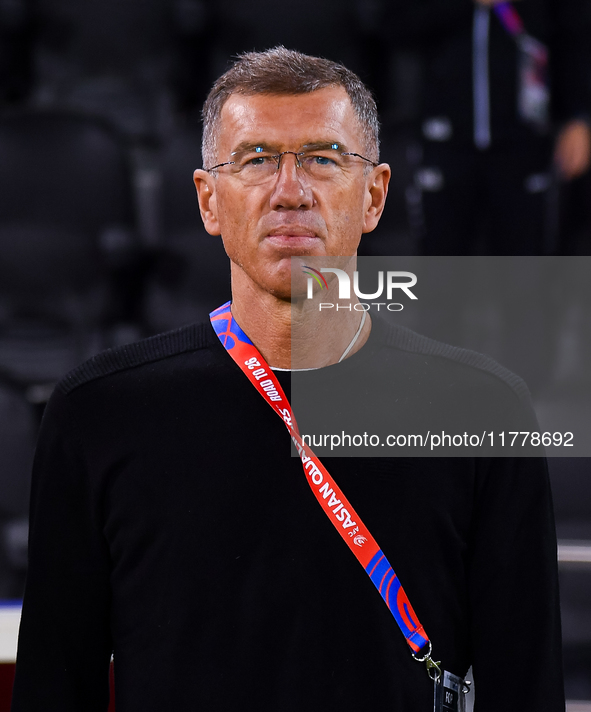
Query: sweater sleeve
[[64, 644], [513, 590]]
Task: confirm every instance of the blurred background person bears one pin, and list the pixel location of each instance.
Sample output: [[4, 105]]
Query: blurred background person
[[505, 114]]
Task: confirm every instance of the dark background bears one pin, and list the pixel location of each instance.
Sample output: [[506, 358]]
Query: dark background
[[100, 236]]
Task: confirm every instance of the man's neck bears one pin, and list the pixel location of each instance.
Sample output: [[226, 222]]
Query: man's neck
[[296, 334]]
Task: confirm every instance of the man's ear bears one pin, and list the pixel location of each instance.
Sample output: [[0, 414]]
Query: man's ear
[[377, 190], [206, 186]]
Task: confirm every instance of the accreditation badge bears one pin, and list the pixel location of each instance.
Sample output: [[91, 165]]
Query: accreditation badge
[[534, 89], [450, 693]]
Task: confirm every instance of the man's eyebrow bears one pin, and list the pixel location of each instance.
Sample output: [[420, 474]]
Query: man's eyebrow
[[251, 146], [324, 146], [247, 146]]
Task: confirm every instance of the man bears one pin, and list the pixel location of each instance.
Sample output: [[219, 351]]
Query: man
[[170, 525]]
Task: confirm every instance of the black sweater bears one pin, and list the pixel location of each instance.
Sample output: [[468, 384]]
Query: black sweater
[[170, 524]]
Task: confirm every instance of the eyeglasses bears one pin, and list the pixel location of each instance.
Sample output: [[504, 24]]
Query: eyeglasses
[[258, 164]]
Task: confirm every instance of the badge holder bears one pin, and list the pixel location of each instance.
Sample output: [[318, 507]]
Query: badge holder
[[533, 101], [450, 693], [534, 92], [449, 690]]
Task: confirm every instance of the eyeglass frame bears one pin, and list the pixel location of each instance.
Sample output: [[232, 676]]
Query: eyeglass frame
[[279, 156]]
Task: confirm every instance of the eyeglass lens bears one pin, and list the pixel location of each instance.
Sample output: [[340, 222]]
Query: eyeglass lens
[[258, 165]]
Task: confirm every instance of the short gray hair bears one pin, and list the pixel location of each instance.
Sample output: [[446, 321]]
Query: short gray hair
[[283, 71]]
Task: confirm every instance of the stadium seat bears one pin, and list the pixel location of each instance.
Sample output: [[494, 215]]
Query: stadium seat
[[18, 429], [66, 221], [571, 489], [190, 275], [571, 486]]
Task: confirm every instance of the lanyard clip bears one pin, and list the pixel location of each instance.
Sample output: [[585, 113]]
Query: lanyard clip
[[433, 669]]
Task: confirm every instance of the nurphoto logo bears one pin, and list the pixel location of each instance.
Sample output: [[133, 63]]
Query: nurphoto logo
[[393, 280]]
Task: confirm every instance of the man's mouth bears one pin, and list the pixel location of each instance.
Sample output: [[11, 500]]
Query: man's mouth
[[294, 244], [291, 231], [292, 237]]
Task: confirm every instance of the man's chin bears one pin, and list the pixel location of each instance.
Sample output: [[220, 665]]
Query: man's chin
[[286, 280], [288, 292]]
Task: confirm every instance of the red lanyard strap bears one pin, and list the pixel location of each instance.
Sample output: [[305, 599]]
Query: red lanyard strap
[[510, 18], [328, 494]]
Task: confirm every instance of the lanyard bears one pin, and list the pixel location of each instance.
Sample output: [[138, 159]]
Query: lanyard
[[328, 494], [510, 18]]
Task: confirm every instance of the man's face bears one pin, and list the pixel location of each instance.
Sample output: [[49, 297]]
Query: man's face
[[291, 214]]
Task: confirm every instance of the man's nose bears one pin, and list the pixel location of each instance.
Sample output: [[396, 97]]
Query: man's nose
[[292, 189]]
